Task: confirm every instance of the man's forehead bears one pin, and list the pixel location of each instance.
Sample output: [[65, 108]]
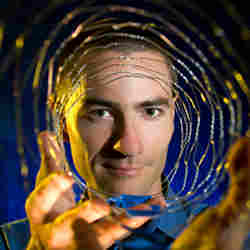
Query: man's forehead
[[110, 66], [149, 59]]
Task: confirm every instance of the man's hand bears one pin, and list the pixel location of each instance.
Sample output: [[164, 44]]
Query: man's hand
[[225, 226], [56, 222]]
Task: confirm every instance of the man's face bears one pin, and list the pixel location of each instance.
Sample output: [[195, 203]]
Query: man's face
[[132, 114]]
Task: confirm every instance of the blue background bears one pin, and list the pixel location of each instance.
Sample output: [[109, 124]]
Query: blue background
[[16, 15]]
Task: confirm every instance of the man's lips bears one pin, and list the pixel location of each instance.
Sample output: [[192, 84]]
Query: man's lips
[[122, 170]]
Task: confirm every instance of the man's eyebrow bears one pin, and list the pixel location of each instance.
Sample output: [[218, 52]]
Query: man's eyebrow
[[100, 102], [111, 104], [155, 102]]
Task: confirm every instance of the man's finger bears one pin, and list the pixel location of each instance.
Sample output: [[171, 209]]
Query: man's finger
[[93, 210], [42, 201], [73, 229], [239, 156], [112, 228], [51, 155], [91, 222]]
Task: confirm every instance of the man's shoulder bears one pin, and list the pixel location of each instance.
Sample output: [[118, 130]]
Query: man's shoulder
[[14, 235]]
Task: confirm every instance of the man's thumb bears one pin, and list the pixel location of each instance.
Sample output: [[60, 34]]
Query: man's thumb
[[51, 155]]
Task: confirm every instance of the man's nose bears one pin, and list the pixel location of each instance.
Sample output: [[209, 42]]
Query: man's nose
[[129, 141]]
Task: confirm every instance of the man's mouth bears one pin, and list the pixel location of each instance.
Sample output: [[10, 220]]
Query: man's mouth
[[121, 170]]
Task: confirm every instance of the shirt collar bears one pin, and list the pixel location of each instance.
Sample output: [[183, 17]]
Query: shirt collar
[[173, 223]]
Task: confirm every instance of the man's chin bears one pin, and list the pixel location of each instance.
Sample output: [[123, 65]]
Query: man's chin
[[114, 192]]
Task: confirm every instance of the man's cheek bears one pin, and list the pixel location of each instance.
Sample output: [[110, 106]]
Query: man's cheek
[[94, 143], [92, 146], [161, 137]]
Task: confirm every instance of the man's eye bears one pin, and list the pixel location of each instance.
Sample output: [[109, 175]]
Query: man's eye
[[153, 112], [100, 113]]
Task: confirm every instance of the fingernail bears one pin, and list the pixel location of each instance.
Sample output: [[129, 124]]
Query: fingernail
[[53, 142], [52, 152], [53, 147]]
